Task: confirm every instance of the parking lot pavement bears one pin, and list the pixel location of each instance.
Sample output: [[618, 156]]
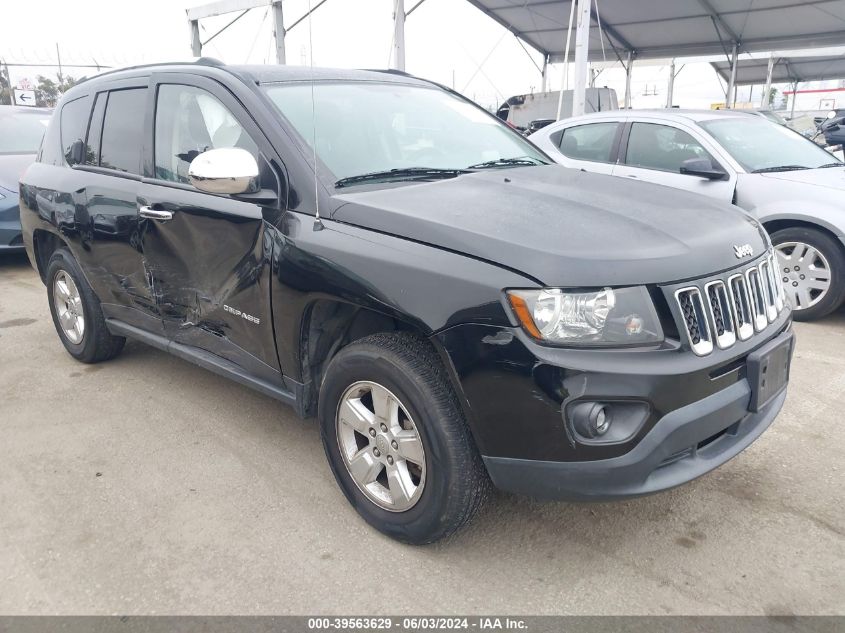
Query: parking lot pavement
[[148, 485]]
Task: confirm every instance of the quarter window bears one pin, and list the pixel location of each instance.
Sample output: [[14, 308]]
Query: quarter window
[[592, 142], [123, 128], [74, 123], [190, 121], [662, 147]]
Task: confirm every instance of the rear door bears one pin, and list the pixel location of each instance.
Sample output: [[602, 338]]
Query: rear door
[[653, 152], [589, 146], [209, 258]]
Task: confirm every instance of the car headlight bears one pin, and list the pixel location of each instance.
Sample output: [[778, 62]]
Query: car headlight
[[607, 317]]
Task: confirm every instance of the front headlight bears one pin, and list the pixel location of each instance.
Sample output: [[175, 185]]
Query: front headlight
[[622, 316]]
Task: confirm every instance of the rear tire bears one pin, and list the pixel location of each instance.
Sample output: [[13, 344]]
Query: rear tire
[[446, 479], [806, 258], [76, 312]]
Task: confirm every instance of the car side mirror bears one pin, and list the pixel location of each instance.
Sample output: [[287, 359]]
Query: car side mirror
[[76, 153], [703, 168], [227, 170]]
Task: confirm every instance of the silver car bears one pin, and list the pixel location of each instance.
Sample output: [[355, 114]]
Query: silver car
[[793, 186]]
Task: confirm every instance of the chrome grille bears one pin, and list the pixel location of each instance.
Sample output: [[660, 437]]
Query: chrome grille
[[725, 311]]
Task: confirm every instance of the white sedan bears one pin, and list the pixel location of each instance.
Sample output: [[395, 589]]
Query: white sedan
[[794, 187]]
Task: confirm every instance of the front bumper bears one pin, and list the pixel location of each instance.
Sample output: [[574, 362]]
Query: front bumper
[[700, 411]]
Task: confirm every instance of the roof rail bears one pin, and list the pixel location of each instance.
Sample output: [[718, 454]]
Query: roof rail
[[200, 61]]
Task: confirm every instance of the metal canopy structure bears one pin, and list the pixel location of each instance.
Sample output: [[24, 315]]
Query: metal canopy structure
[[751, 72], [675, 28], [629, 29]]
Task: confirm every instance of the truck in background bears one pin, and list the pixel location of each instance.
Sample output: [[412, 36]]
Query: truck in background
[[520, 110]]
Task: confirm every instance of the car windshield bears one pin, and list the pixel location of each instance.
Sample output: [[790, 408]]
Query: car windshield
[[21, 132], [370, 128], [759, 145]]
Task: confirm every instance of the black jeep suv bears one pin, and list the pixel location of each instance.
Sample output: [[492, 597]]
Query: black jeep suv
[[378, 251]]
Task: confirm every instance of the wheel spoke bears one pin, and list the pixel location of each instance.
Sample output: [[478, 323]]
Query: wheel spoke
[[798, 252], [364, 467], [809, 255], [803, 296], [355, 414], [66, 319], [818, 284], [410, 446], [385, 406], [62, 289], [400, 484]]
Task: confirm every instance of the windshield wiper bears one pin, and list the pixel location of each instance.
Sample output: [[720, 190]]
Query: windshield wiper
[[401, 173], [830, 165], [508, 162], [779, 168]]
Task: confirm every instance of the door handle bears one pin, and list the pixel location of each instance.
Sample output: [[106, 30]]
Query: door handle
[[155, 214]]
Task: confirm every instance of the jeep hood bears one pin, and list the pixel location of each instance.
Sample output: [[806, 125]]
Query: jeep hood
[[562, 227]]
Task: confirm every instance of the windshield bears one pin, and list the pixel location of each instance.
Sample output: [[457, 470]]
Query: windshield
[[366, 128], [757, 144], [21, 132]]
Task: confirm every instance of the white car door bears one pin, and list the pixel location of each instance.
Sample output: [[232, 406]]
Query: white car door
[[654, 152], [590, 146]]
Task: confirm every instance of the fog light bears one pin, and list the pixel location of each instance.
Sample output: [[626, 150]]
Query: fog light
[[591, 419]]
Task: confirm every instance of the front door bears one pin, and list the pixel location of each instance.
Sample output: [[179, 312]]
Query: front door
[[208, 254], [654, 153]]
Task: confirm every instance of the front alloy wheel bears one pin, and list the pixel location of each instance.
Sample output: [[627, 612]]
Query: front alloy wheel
[[380, 446], [805, 273]]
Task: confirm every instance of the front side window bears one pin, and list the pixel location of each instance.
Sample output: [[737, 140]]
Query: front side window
[[593, 142], [188, 122], [758, 145], [662, 147], [366, 127], [123, 128]]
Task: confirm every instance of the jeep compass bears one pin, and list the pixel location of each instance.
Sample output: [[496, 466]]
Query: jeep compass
[[380, 253]]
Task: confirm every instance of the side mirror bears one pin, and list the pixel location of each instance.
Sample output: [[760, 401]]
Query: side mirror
[[703, 168], [76, 154], [228, 170]]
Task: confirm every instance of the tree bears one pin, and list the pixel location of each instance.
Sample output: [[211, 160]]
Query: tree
[[48, 92], [5, 89], [773, 93]]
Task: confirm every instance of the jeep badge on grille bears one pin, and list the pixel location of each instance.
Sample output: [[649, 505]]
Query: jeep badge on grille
[[744, 250]]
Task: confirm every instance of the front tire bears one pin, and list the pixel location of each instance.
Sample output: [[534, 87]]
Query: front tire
[[397, 441], [811, 266], [76, 312]]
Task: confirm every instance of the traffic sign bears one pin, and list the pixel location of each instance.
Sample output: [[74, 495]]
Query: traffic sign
[[24, 97]]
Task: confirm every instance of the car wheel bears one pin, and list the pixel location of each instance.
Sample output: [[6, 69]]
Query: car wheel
[[76, 312], [396, 439], [812, 268]]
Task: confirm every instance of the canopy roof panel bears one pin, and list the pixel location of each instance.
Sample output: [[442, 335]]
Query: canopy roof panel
[[674, 28], [785, 70]]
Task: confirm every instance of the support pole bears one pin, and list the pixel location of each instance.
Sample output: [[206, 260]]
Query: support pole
[[196, 44], [399, 35], [279, 31], [564, 82], [582, 45], [794, 97], [730, 97], [671, 87], [629, 68], [764, 103], [545, 74]]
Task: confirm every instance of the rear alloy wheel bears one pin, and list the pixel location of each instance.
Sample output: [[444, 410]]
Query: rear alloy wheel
[[68, 303], [812, 269]]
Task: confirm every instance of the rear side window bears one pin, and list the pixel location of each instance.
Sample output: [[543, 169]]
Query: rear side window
[[123, 128], [661, 147], [593, 141], [74, 123]]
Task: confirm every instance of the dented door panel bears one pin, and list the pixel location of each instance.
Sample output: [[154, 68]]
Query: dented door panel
[[208, 269]]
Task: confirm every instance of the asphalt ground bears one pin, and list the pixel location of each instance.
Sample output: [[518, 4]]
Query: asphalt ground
[[147, 485]]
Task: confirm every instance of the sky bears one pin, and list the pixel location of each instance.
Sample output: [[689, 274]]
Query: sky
[[448, 41]]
